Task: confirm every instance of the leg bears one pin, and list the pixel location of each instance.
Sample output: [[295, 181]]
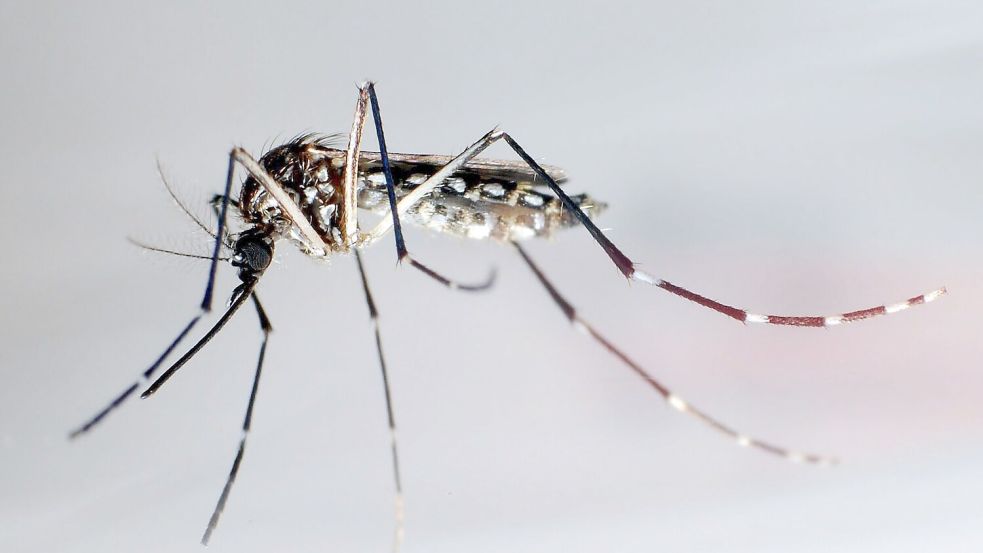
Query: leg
[[348, 210], [315, 243], [374, 315], [627, 267], [625, 264], [265, 325], [205, 307], [672, 399], [396, 212], [244, 290], [239, 297]]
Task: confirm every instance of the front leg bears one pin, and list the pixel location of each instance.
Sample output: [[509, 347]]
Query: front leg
[[348, 209], [314, 241]]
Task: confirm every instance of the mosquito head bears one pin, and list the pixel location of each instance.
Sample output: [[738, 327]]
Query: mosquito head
[[253, 254]]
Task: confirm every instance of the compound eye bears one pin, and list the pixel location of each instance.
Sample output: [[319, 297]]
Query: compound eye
[[253, 254]]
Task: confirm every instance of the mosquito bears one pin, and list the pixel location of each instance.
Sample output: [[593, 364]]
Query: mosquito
[[309, 193]]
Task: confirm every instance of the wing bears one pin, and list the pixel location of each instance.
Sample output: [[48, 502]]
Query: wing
[[509, 170]]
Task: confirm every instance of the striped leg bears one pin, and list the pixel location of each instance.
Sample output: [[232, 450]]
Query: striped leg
[[627, 268], [786, 320], [264, 323], [142, 381], [622, 261], [674, 401], [374, 315], [205, 307], [242, 293]]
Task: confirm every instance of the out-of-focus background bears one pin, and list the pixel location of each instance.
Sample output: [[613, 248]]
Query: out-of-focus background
[[781, 157]]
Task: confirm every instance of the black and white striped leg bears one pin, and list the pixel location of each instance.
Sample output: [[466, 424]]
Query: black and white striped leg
[[673, 400], [401, 252], [374, 315], [143, 380], [264, 323], [253, 239], [628, 268], [205, 307]]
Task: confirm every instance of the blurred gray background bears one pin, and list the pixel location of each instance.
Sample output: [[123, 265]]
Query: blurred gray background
[[780, 157]]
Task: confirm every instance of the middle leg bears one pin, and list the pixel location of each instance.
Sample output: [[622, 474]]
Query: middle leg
[[390, 416], [673, 400]]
